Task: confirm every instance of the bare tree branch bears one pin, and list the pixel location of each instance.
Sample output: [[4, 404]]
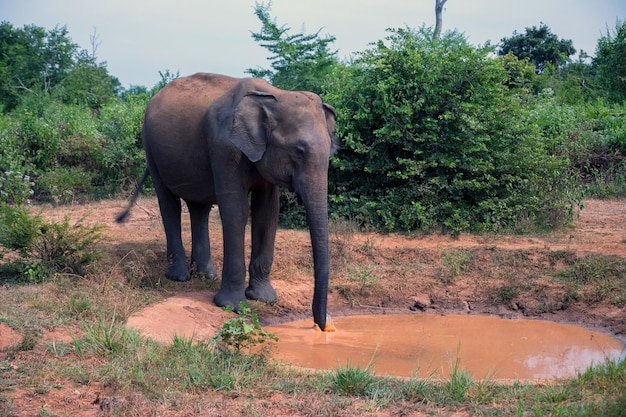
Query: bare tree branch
[[94, 39], [22, 86]]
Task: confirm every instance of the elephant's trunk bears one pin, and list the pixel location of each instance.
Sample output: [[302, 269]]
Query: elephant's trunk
[[316, 205]]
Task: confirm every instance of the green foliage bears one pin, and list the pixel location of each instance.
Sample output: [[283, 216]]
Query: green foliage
[[87, 83], [242, 332], [521, 73], [433, 138], [299, 61], [107, 338], [35, 62], [122, 159], [539, 45], [60, 151], [62, 184], [457, 386], [609, 63], [47, 247], [352, 380], [32, 60]]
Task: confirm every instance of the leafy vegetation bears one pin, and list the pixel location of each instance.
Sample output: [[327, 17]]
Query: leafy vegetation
[[44, 247], [433, 138], [540, 46], [242, 332]]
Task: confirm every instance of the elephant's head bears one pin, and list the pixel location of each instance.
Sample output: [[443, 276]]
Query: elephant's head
[[290, 137]]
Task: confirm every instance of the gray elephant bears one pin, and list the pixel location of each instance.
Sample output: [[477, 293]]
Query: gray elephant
[[212, 139]]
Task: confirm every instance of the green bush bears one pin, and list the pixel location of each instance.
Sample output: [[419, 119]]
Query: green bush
[[123, 157], [47, 247], [434, 138], [241, 332], [63, 185], [16, 185]]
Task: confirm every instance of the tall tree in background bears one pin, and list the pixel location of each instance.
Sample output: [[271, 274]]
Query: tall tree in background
[[34, 60], [540, 46], [438, 18], [299, 61], [610, 64]]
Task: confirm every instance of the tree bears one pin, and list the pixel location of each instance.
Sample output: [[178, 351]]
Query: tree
[[87, 82], [609, 63], [438, 18], [32, 59], [299, 61], [39, 61], [540, 46]]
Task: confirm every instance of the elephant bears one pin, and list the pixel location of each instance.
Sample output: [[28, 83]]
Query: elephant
[[212, 139]]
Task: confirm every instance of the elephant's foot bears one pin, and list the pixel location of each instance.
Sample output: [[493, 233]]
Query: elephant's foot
[[225, 298], [207, 269], [261, 291], [177, 272]]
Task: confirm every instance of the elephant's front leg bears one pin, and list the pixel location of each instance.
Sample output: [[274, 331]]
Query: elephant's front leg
[[200, 243], [264, 202], [233, 208]]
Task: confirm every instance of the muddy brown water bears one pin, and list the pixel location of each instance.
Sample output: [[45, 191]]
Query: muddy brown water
[[430, 346]]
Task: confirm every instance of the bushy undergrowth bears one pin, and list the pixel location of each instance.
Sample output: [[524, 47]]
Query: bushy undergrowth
[[62, 153], [35, 248], [436, 137]]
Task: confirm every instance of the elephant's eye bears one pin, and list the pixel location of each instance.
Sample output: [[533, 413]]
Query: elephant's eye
[[301, 151]]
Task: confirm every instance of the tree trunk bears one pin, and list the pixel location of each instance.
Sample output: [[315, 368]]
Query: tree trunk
[[438, 18]]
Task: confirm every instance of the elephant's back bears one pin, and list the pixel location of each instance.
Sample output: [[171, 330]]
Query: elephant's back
[[173, 132], [195, 92]]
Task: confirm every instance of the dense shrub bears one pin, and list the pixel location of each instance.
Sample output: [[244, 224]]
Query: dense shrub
[[44, 247], [59, 151], [433, 138], [123, 157]]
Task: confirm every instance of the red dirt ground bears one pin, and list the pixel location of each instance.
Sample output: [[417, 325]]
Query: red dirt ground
[[371, 273]]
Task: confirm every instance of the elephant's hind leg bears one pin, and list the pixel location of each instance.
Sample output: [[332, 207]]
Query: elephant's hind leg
[[170, 207], [264, 224], [200, 242]]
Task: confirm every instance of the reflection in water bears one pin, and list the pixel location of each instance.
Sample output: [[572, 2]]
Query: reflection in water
[[408, 345]]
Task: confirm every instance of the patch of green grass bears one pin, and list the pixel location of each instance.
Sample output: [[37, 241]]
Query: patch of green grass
[[458, 384], [363, 276], [453, 263], [351, 380], [595, 278], [107, 338]]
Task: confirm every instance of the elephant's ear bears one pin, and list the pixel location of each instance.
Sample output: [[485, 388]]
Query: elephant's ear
[[251, 125], [331, 122]]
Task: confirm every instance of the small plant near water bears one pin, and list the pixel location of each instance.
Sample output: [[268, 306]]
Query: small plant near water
[[352, 380], [458, 385], [243, 331]]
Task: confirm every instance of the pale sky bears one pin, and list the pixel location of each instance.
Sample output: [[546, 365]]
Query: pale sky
[[139, 38]]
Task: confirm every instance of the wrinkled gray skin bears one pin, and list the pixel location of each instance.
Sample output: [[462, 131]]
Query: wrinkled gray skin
[[211, 139]]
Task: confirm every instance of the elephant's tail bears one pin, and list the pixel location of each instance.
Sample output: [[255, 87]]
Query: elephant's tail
[[133, 199]]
